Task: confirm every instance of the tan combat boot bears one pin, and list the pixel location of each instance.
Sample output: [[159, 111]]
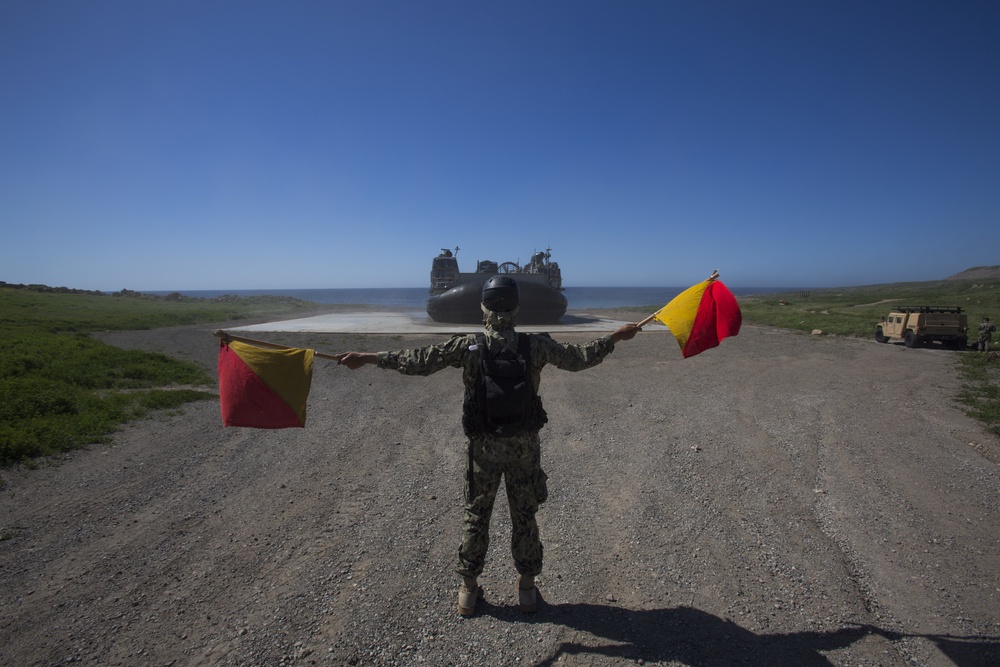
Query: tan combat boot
[[468, 595], [527, 594]]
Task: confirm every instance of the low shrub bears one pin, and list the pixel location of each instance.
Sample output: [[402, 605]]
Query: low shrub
[[61, 389]]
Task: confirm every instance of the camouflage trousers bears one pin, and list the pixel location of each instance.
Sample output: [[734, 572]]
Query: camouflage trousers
[[518, 461]]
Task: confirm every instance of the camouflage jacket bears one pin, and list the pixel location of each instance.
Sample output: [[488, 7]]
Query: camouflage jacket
[[461, 351]]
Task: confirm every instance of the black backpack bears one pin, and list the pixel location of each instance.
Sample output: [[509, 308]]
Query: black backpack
[[505, 402]]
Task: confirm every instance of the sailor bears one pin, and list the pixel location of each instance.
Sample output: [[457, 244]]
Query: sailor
[[515, 458]]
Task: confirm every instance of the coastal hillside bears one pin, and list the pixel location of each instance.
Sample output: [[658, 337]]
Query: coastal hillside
[[977, 273]]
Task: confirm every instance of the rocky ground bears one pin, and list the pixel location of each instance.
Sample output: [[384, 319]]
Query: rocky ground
[[783, 499]]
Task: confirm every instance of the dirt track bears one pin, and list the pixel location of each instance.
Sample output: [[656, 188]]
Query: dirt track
[[782, 500]]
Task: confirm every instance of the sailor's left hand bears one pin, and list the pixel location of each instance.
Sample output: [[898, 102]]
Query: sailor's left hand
[[626, 332]]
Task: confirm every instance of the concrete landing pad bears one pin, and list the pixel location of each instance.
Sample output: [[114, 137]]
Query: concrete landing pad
[[418, 322]]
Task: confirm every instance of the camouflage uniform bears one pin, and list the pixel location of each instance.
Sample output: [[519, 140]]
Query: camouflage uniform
[[516, 459], [986, 330]]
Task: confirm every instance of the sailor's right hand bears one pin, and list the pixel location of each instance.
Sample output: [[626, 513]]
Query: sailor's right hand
[[355, 360]]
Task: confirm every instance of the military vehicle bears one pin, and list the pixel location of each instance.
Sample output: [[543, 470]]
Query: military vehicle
[[918, 325], [456, 297]]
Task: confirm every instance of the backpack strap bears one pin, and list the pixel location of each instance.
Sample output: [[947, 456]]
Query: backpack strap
[[524, 347], [470, 471], [537, 418]]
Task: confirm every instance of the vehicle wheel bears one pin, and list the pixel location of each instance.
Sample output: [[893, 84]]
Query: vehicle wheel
[[911, 339], [879, 336]]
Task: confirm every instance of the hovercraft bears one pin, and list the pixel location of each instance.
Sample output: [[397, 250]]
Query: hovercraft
[[455, 297]]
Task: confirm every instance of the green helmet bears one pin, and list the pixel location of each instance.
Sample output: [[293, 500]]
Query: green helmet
[[500, 294]]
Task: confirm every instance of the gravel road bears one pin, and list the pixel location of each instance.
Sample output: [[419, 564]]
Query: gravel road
[[783, 499]]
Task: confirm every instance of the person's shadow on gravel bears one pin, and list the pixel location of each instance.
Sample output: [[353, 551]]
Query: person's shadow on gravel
[[694, 637]]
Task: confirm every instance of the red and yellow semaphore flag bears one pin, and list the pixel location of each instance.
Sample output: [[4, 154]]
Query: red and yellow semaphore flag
[[701, 316], [263, 388]]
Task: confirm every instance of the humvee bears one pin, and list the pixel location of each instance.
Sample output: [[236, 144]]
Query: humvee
[[917, 325]]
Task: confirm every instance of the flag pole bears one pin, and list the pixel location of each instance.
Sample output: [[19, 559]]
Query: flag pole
[[225, 336], [714, 276]]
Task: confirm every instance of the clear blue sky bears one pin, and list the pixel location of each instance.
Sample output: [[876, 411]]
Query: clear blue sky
[[183, 144]]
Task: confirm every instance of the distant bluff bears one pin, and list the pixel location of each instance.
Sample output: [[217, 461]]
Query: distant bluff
[[978, 273]]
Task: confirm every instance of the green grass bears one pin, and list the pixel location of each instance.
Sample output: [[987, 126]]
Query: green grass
[[855, 312], [981, 390], [62, 312], [61, 389]]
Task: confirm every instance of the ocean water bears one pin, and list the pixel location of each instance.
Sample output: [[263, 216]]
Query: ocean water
[[579, 298]]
